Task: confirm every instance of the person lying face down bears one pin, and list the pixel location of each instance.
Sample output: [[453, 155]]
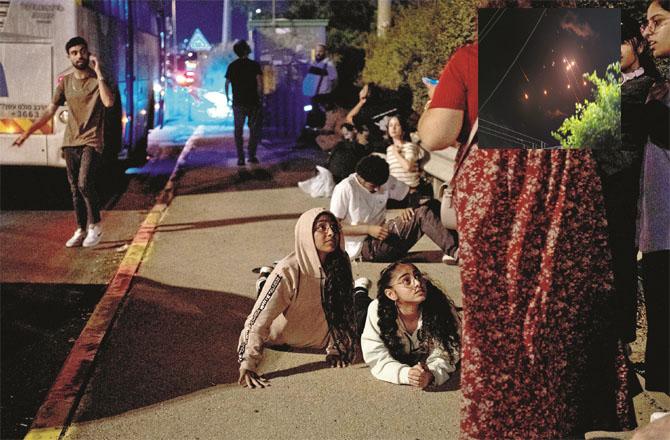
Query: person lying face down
[[412, 331], [306, 301]]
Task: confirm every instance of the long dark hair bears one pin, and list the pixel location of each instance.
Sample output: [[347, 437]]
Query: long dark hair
[[337, 299], [440, 321], [630, 33]]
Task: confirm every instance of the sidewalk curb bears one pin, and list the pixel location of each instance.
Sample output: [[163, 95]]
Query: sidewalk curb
[[58, 408]]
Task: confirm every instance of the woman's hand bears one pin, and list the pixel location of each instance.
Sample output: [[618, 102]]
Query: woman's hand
[[251, 379], [335, 361], [420, 376]]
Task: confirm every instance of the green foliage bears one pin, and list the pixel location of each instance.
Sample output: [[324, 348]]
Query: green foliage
[[595, 124], [423, 36]]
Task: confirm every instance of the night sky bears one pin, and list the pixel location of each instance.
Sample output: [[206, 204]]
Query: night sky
[[204, 14], [534, 97]]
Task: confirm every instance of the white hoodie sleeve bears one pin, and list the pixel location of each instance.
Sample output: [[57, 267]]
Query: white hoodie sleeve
[[382, 365], [439, 364]]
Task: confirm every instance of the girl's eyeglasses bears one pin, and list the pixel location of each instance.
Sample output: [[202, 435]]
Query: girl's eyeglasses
[[322, 228], [407, 280], [653, 24]]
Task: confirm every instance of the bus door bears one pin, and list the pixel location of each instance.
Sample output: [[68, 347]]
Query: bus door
[[25, 91]]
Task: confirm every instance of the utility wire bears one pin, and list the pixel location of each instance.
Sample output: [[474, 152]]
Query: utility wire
[[509, 129], [508, 138], [487, 26], [544, 11], [484, 34]]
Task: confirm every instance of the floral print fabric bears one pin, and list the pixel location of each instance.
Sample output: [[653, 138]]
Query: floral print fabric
[[539, 357]]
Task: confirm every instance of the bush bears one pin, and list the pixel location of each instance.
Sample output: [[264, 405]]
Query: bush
[[419, 42], [595, 124]]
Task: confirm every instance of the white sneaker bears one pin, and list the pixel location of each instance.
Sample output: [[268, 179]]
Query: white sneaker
[[658, 415], [363, 282], [94, 235], [77, 238]]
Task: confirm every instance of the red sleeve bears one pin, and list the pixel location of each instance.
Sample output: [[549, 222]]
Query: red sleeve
[[450, 91], [457, 88]]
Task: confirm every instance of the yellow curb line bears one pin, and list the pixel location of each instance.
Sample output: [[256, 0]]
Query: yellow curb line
[[58, 408]]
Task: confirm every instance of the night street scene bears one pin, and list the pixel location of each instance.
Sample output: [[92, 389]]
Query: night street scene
[[532, 69], [285, 219]]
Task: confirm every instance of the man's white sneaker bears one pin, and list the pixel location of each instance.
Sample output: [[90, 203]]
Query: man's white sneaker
[[94, 235], [77, 238]]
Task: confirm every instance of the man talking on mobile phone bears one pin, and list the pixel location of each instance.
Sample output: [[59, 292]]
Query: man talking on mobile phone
[[87, 93]]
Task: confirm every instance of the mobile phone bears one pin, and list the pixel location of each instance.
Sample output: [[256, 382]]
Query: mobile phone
[[429, 81]]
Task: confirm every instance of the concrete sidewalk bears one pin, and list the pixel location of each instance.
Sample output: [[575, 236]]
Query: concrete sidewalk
[[168, 368]]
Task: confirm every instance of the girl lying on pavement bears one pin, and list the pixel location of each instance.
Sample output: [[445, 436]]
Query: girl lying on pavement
[[412, 330], [307, 301]]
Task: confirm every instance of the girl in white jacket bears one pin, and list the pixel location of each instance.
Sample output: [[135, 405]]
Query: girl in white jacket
[[412, 330]]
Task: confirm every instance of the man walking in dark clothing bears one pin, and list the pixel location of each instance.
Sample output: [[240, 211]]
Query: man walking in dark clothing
[[247, 80]]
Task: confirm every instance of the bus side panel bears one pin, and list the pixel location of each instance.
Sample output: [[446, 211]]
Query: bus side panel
[[23, 99], [147, 71]]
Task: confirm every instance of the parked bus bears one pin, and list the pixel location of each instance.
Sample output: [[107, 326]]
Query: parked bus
[[128, 36]]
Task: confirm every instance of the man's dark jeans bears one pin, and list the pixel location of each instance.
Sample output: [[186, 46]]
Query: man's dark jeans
[[404, 234], [253, 113], [81, 164]]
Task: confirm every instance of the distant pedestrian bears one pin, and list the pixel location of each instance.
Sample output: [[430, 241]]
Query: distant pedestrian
[[247, 80], [321, 77], [308, 301], [541, 357], [87, 92], [412, 330]]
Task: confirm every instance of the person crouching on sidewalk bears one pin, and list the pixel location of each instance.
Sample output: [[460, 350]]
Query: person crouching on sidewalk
[[412, 331], [307, 301]]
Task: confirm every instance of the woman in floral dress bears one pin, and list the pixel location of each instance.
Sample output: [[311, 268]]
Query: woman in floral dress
[[539, 359]]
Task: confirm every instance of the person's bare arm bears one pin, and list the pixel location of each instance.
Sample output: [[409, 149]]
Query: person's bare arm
[[362, 98], [227, 88], [259, 86], [107, 95], [354, 111], [46, 116], [439, 128], [406, 165], [380, 232]]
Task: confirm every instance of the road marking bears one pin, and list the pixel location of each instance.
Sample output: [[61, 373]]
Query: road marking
[[58, 408]]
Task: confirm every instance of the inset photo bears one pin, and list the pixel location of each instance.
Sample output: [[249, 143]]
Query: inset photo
[[549, 78]]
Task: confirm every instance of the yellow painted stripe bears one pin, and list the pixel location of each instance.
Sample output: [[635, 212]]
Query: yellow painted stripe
[[44, 433], [54, 415]]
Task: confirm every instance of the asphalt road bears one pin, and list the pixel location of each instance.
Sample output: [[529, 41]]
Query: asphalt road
[[47, 292]]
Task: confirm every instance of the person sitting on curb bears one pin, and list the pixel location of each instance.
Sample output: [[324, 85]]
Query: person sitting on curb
[[307, 301], [346, 154], [404, 159], [411, 334], [359, 202]]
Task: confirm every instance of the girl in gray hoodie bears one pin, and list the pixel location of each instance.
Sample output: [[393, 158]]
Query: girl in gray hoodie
[[306, 302]]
